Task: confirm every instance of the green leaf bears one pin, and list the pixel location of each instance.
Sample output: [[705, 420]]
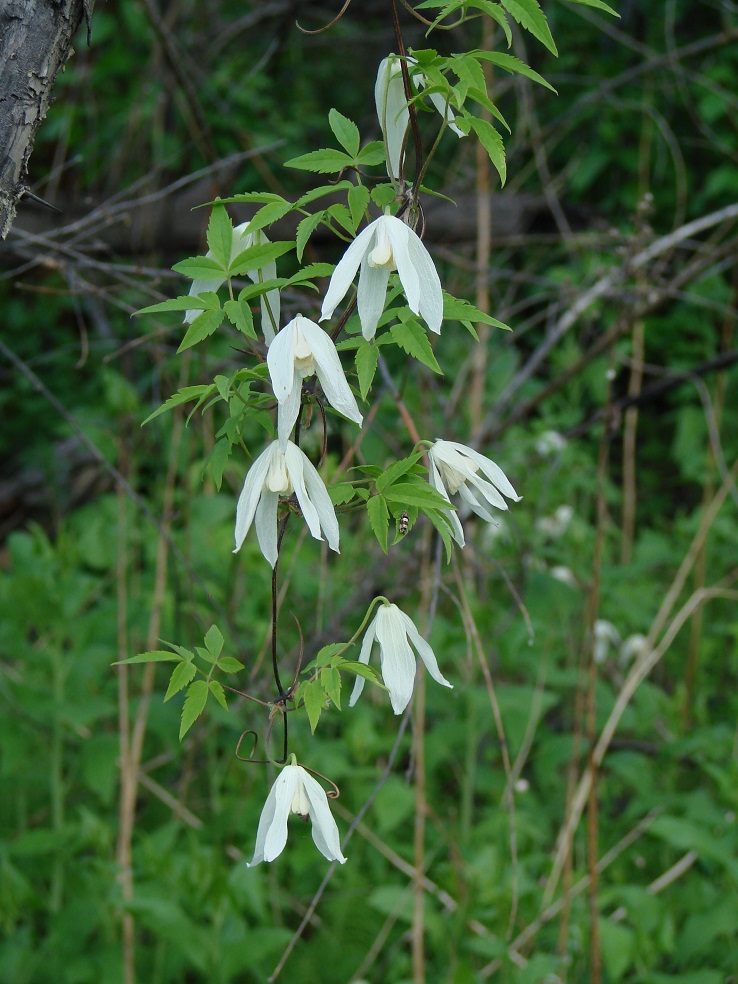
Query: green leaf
[[306, 227], [512, 64], [240, 316], [345, 131], [418, 494], [598, 4], [383, 195], [255, 257], [440, 520], [217, 691], [270, 213], [372, 154], [218, 459], [330, 678], [311, 270], [342, 216], [194, 705], [185, 302], [458, 309], [492, 143], [322, 191], [154, 656], [397, 470], [229, 665], [362, 670], [494, 11], [367, 357], [530, 16], [341, 493], [201, 328], [379, 519], [358, 199], [312, 695], [185, 395], [321, 161], [181, 676], [220, 235], [411, 338], [201, 268], [214, 640]]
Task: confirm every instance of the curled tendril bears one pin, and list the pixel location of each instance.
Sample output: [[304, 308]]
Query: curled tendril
[[251, 758], [333, 793], [335, 20]]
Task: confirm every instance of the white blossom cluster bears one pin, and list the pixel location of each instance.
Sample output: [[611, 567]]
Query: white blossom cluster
[[302, 349]]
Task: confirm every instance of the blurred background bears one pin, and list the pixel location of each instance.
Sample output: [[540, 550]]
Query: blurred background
[[610, 406]]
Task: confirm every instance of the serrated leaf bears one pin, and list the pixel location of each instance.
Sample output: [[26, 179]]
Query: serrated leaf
[[512, 64], [383, 194], [214, 641], [439, 518], [218, 459], [240, 316], [256, 257], [530, 16], [220, 235], [362, 670], [270, 213], [342, 216], [229, 665], [372, 154], [358, 200], [153, 656], [306, 227], [396, 470], [330, 678], [311, 270], [497, 14], [217, 691], [411, 338], [200, 268], [492, 143], [194, 705], [345, 131], [322, 191], [250, 196], [321, 161], [598, 4], [367, 358], [458, 309], [185, 302], [379, 519], [185, 395], [201, 328], [312, 695], [341, 493], [418, 494], [181, 676]]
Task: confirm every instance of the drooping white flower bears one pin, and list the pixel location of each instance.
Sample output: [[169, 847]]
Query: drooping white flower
[[385, 245], [394, 632], [243, 239], [282, 472], [456, 468], [300, 349], [295, 791], [394, 116]]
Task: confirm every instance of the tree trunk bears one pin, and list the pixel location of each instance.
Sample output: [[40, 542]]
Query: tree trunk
[[35, 42]]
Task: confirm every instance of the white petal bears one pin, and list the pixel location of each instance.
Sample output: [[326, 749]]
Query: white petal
[[398, 660], [473, 499], [330, 371], [322, 502], [424, 650], [251, 492], [287, 412], [389, 96], [325, 831], [436, 482], [493, 472], [294, 460], [371, 296], [430, 304], [345, 272], [201, 287], [366, 650], [271, 835], [266, 525], [281, 360], [399, 234], [448, 114]]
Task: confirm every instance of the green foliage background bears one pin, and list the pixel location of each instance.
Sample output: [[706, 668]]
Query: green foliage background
[[645, 105]]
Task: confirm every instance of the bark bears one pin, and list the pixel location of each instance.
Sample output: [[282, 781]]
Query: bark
[[35, 42]]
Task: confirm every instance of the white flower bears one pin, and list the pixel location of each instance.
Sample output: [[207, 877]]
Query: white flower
[[300, 349], [605, 635], [277, 472], [295, 791], [389, 95], [385, 245], [456, 468], [243, 239], [556, 525], [394, 632], [550, 442]]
